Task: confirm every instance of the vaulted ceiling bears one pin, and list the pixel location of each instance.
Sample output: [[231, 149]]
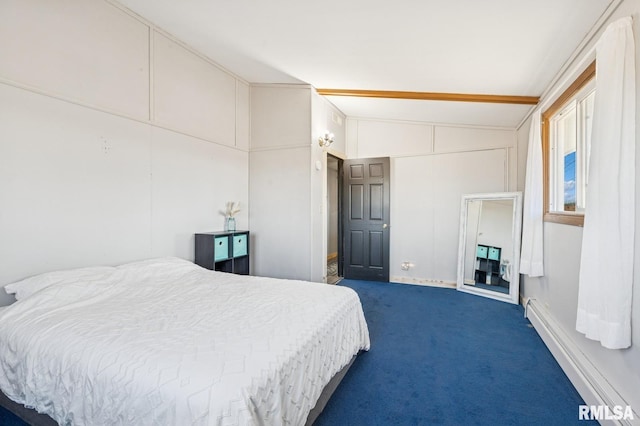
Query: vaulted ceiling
[[498, 47]]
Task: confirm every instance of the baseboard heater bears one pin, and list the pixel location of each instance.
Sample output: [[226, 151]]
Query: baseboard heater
[[592, 386]]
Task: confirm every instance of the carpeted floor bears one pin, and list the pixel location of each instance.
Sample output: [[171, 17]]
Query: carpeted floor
[[442, 357], [8, 419]]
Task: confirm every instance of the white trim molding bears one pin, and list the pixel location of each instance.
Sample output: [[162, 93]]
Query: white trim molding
[[592, 386], [425, 282]]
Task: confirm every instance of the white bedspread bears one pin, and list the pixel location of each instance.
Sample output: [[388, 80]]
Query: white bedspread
[[165, 342]]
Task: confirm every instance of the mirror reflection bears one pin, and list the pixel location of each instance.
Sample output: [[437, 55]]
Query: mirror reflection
[[490, 245], [490, 227]]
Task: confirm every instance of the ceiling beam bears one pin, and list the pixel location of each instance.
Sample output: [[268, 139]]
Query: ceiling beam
[[431, 96]]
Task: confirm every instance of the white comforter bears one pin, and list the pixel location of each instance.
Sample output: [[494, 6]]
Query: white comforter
[[166, 342]]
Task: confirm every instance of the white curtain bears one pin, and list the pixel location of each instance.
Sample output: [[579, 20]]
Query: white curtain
[[606, 267], [531, 257]]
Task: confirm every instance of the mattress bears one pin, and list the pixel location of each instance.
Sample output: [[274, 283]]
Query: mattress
[[167, 342]]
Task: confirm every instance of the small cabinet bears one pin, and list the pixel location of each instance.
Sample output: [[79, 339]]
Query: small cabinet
[[223, 251], [488, 264]]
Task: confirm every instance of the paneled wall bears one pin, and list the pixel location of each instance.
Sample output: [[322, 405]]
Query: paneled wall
[[288, 186], [182, 78], [280, 173], [117, 142], [86, 51], [432, 166]]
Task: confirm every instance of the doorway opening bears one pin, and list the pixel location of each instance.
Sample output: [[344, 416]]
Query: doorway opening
[[334, 237]]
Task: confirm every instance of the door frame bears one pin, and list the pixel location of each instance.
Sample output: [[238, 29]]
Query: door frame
[[340, 223], [340, 239]]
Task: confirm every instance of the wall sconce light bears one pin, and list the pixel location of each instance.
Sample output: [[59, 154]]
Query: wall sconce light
[[326, 140]]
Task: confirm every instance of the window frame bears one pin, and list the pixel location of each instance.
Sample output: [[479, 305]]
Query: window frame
[[567, 218]]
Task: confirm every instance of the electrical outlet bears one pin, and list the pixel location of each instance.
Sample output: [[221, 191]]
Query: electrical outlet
[[106, 145], [405, 266]]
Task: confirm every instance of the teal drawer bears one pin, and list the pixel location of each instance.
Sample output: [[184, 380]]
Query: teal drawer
[[240, 245], [494, 253], [481, 251], [221, 250]]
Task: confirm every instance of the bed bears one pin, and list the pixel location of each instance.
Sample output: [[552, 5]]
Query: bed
[[167, 342]]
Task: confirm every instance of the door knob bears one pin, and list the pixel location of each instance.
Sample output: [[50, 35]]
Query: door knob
[[385, 226]]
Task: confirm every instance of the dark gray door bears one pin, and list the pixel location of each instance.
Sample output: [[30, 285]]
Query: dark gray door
[[366, 219]]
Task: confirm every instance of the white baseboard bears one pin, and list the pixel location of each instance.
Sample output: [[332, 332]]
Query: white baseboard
[[423, 282], [592, 386]]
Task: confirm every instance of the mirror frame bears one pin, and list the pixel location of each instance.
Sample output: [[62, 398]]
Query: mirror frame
[[516, 230]]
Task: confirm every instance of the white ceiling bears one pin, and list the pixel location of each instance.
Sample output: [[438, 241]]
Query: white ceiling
[[501, 47]]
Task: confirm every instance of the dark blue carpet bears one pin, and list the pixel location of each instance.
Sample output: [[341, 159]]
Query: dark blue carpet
[[8, 419], [442, 357]]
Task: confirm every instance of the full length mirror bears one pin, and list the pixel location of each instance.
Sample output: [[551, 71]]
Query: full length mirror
[[489, 251]]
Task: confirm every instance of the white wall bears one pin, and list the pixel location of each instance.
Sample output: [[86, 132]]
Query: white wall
[[280, 168], [288, 183], [183, 78], [88, 51], [325, 118], [279, 193], [495, 227], [616, 372], [104, 156], [432, 166]]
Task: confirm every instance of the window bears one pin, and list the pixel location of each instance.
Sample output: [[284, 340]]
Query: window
[[566, 142]]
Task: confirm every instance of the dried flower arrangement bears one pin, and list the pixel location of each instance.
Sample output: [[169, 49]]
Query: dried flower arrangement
[[233, 207]]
